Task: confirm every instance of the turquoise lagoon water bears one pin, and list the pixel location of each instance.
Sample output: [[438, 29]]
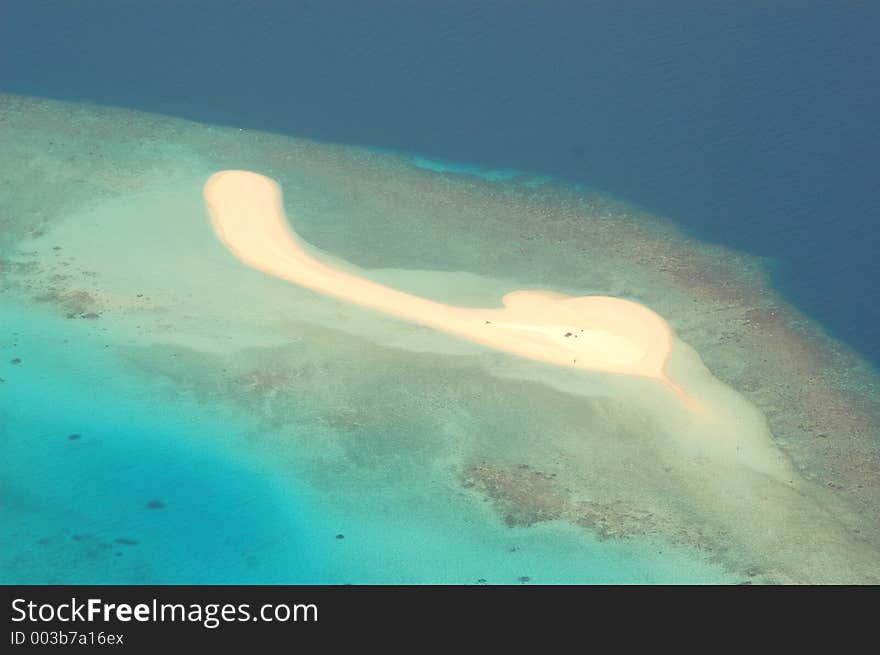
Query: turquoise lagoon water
[[103, 484]]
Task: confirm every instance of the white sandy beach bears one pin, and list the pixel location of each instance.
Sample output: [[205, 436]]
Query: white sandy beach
[[596, 333]]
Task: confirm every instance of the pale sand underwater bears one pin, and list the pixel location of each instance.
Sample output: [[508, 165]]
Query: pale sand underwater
[[357, 404]]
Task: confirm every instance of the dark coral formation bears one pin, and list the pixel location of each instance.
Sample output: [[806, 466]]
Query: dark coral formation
[[74, 303], [524, 496]]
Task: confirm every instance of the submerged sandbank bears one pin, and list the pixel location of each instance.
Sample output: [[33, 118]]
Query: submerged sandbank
[[366, 408], [719, 433]]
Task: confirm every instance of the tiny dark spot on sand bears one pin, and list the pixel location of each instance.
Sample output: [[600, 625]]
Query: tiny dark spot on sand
[[125, 542], [56, 247], [140, 295], [523, 578], [15, 360], [568, 334], [488, 322], [155, 504], [73, 437], [340, 536]]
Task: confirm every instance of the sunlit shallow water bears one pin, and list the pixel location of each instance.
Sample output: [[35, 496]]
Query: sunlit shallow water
[[234, 428], [104, 485]]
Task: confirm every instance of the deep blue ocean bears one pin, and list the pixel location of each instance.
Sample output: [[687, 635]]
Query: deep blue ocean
[[751, 124], [754, 125]]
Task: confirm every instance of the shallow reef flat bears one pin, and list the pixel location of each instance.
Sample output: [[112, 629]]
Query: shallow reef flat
[[416, 434]]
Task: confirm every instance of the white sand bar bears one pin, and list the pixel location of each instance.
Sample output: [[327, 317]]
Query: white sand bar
[[597, 333]]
